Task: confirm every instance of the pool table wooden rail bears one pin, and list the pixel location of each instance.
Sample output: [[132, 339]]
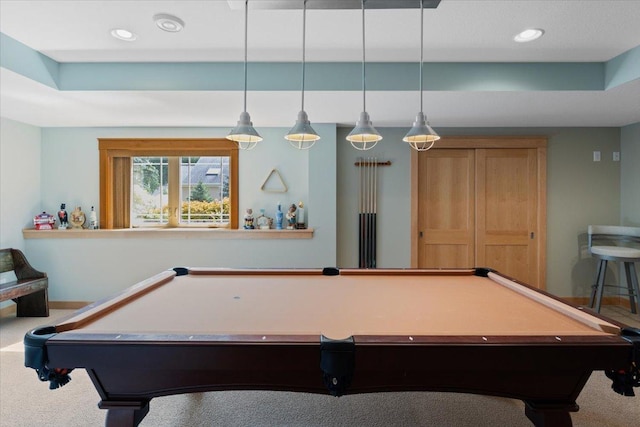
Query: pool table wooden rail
[[537, 374]]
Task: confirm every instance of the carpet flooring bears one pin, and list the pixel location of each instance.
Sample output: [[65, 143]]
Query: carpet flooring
[[25, 401]]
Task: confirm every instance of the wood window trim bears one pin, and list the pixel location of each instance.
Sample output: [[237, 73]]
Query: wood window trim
[[111, 149]]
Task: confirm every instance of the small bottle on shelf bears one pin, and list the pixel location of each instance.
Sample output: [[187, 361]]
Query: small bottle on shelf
[[93, 219], [300, 217], [279, 217]]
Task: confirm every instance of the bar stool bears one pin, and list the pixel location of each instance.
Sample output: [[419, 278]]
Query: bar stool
[[610, 234]]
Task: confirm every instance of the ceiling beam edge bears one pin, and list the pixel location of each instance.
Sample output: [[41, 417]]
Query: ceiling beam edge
[[21, 59], [623, 68], [332, 76]]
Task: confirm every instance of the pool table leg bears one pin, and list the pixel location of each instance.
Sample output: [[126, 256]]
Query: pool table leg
[[124, 413], [549, 415]]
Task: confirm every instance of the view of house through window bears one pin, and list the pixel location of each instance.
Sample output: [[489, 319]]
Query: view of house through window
[[202, 193]]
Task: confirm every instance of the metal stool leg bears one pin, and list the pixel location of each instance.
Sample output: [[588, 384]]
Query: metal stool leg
[[594, 287], [600, 290], [632, 284]]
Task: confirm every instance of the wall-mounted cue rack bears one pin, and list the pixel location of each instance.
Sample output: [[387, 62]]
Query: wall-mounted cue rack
[[367, 210], [376, 163]]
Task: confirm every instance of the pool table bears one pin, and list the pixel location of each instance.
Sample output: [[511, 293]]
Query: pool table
[[335, 331]]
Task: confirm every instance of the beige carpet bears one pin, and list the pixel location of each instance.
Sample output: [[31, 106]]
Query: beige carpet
[[25, 401]]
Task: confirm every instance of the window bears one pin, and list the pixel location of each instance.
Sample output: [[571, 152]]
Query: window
[[202, 195], [162, 182]]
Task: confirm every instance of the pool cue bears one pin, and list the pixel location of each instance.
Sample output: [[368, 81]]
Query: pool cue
[[371, 198], [369, 222], [361, 216], [371, 166], [374, 231]]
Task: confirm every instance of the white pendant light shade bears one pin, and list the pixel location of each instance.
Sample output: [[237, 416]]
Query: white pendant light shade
[[244, 133], [421, 136], [364, 136], [302, 136]]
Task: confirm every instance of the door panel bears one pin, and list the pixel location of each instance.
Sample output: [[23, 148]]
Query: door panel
[[506, 215], [509, 258], [446, 208], [441, 255]]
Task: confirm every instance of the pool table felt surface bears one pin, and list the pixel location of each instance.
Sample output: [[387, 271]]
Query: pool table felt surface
[[382, 304]]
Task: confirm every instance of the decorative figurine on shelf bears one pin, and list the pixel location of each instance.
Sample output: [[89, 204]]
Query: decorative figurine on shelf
[[248, 219], [63, 217], [77, 218], [300, 224], [291, 217], [93, 219], [44, 221], [264, 222], [279, 217]]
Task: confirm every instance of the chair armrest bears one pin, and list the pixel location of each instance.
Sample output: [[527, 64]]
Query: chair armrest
[[23, 269]]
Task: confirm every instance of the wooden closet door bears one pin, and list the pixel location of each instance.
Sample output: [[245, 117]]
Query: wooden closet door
[[506, 212], [446, 208]]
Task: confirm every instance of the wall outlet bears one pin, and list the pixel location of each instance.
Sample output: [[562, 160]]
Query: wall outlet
[[596, 156], [616, 156]]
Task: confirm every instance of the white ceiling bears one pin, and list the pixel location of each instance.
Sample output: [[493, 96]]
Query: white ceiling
[[457, 31]]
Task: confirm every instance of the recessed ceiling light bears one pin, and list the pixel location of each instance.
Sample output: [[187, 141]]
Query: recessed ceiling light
[[529, 35], [122, 34], [169, 23]]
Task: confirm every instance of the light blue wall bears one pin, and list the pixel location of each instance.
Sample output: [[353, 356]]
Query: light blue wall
[[19, 180], [630, 178], [87, 269], [580, 192], [70, 164]]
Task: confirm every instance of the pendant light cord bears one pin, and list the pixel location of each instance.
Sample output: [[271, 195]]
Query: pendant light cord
[[421, 49], [246, 21], [304, 32], [364, 99]]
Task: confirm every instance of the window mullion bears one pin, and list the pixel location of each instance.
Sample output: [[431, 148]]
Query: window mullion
[[189, 186], [175, 209]]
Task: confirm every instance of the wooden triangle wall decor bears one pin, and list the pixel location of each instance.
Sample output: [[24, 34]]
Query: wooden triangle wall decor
[[282, 189]]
